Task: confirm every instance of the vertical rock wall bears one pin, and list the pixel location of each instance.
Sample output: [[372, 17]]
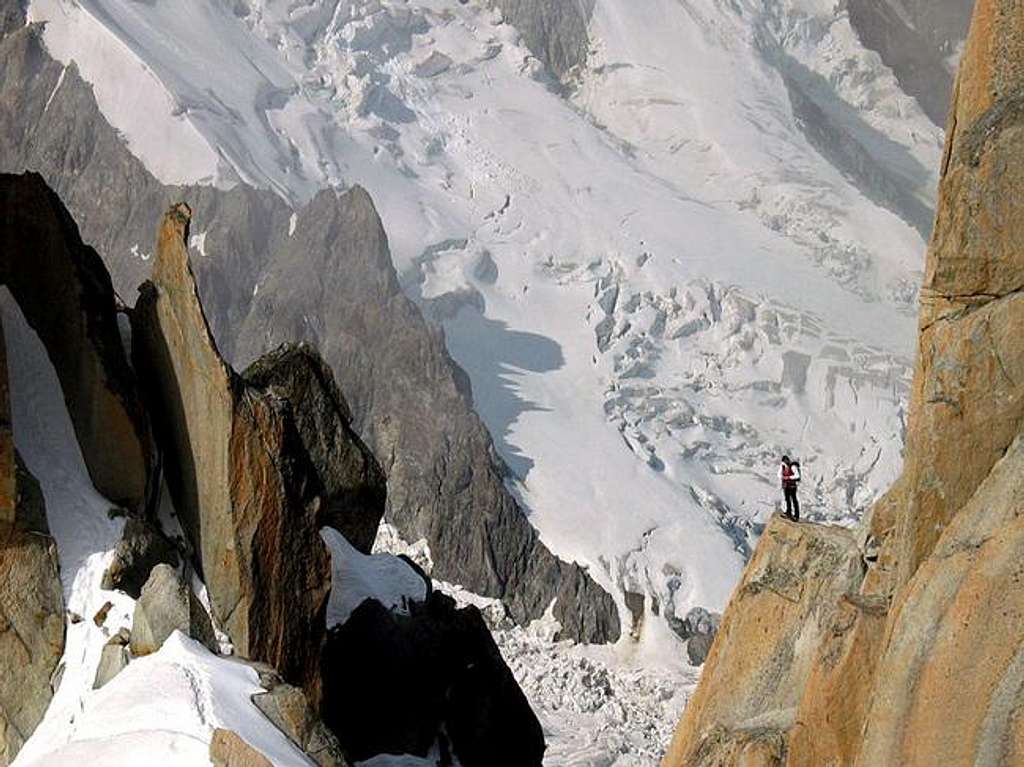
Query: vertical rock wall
[[922, 659], [241, 480]]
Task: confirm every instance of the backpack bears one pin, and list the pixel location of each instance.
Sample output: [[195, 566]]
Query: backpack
[[799, 473]]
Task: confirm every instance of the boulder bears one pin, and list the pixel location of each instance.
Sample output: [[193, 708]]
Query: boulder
[[353, 482], [288, 708], [434, 674], [31, 597], [114, 658], [141, 548], [246, 490], [698, 647], [166, 605], [66, 295], [227, 749]]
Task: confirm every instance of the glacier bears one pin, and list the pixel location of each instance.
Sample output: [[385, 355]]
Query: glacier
[[696, 251]]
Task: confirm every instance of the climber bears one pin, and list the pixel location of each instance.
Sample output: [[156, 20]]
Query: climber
[[789, 475]]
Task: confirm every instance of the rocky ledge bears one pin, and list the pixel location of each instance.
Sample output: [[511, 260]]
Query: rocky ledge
[[904, 645]]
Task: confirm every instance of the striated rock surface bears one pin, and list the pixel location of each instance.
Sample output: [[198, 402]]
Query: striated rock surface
[[245, 489], [555, 32], [66, 296], [410, 402], [433, 673], [31, 599], [354, 486], [920, 660]]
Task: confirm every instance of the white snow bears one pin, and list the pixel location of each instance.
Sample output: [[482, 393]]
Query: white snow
[[163, 709], [356, 577], [197, 242], [60, 81], [676, 285], [153, 121], [76, 513]]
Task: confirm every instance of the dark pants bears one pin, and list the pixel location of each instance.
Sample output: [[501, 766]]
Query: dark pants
[[792, 504]]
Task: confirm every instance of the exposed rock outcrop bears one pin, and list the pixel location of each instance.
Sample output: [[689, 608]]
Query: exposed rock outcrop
[[433, 672], [555, 32], [288, 708], [247, 494], [166, 605], [353, 483], [919, 661], [438, 450], [31, 599], [114, 658], [67, 297], [227, 749], [411, 404], [775, 611]]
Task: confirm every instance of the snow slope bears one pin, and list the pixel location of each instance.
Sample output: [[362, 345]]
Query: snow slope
[[163, 707], [707, 254]]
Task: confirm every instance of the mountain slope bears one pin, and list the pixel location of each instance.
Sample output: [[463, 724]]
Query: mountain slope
[[855, 663], [53, 126], [615, 269]]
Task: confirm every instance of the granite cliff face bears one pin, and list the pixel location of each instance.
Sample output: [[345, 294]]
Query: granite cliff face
[[907, 648], [31, 600], [67, 298], [246, 491], [445, 481]]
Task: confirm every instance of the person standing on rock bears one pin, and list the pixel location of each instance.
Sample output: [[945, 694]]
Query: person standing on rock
[[789, 475]]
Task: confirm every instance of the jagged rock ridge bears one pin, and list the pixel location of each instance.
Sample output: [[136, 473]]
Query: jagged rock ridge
[[60, 133], [253, 476], [908, 649]]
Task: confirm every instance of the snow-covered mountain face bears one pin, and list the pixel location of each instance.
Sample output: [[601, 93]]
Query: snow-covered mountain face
[[697, 251]]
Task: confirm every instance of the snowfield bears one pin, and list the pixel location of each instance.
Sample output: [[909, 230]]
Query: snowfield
[[704, 254]]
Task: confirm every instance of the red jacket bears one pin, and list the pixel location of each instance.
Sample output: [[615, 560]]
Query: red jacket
[[789, 474]]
